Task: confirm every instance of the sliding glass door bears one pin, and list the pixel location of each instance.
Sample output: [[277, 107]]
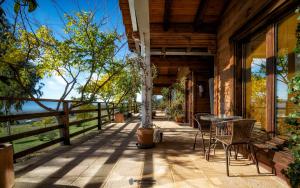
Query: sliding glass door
[[255, 79], [287, 65]]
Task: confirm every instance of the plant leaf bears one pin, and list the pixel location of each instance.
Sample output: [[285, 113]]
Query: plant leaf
[[17, 7], [32, 5]]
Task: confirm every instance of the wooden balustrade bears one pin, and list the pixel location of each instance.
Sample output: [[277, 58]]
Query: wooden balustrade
[[63, 125]]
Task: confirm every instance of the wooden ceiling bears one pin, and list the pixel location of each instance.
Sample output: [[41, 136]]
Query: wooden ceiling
[[178, 25]]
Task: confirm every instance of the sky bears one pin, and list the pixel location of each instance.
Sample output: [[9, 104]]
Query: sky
[[51, 12]]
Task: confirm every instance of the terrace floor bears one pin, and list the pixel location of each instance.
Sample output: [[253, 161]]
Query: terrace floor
[[111, 159]]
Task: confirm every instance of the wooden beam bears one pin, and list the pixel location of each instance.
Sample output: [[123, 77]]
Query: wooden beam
[[205, 63], [167, 14], [157, 90], [199, 15], [225, 6], [164, 79], [183, 28], [183, 40], [183, 53]]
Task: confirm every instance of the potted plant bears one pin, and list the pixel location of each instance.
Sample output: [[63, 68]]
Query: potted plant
[[177, 101], [119, 116], [145, 132], [179, 117]]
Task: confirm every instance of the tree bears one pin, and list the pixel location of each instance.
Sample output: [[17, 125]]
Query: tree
[[16, 66], [122, 88], [86, 53]]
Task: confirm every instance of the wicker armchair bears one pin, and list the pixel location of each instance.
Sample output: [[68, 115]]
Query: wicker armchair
[[203, 128], [240, 134]]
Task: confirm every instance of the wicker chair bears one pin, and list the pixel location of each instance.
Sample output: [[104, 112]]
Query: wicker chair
[[240, 134], [203, 128]]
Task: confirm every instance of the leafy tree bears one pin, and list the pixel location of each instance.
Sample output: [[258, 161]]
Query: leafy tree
[[122, 88], [16, 65], [87, 52]]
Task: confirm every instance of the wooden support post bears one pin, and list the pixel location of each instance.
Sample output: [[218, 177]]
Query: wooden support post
[[65, 132], [113, 112], [99, 116], [271, 70]]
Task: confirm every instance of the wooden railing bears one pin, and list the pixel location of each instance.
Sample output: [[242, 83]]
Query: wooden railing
[[63, 124]]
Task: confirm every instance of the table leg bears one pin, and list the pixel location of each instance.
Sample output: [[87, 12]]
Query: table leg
[[209, 144]]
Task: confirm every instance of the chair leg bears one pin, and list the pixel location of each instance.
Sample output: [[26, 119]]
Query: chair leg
[[203, 144], [215, 145], [236, 152], [254, 156], [274, 171], [227, 159], [195, 140]]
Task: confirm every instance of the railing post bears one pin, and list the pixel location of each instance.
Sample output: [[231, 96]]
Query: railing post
[[113, 112], [99, 116], [65, 130]]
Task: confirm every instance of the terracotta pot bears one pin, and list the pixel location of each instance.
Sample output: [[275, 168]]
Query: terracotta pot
[[179, 119], [119, 118], [7, 176], [145, 136]]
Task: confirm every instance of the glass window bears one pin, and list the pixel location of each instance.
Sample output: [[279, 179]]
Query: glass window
[[255, 65], [287, 65]]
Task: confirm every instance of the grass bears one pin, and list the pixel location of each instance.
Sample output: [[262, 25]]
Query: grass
[[32, 141]]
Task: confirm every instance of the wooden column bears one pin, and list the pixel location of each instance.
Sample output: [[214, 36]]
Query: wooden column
[[99, 116], [142, 14], [65, 132], [270, 100], [113, 112]]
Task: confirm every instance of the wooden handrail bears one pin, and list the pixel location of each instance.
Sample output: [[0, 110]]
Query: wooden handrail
[[63, 122], [29, 116], [82, 121], [28, 133]]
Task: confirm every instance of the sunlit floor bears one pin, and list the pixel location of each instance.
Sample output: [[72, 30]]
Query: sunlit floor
[[111, 159]]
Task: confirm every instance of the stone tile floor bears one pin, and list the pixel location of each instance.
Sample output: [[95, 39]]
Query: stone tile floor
[[111, 159]]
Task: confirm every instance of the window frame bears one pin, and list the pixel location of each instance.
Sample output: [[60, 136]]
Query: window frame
[[239, 69]]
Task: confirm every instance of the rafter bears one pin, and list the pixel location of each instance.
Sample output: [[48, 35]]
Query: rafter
[[167, 14], [199, 15]]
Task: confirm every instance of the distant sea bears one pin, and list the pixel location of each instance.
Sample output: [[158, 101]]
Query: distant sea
[[32, 107]]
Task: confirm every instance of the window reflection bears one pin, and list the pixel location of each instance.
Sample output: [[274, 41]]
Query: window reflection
[[287, 65], [256, 80]]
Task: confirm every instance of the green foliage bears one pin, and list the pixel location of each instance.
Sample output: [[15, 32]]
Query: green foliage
[[44, 123], [293, 170], [86, 115], [87, 53], [123, 87], [174, 108], [47, 136], [293, 173], [18, 73]]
